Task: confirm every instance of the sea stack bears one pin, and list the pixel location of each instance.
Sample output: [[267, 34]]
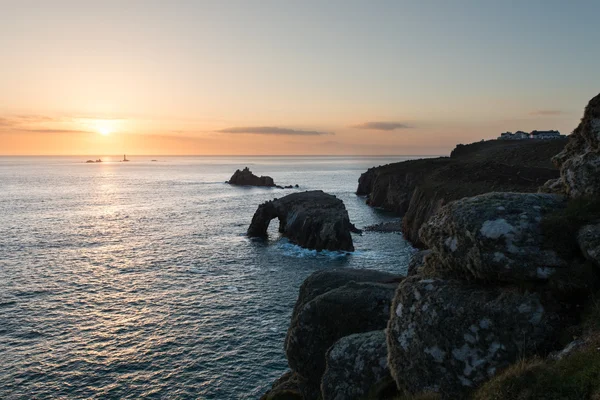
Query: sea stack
[[245, 177], [313, 219]]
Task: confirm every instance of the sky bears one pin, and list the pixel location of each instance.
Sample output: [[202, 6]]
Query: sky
[[289, 77]]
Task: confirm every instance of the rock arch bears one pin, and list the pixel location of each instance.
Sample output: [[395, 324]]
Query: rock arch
[[313, 219]]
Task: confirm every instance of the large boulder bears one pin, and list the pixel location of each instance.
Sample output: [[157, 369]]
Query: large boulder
[[589, 242], [579, 162], [317, 324], [245, 177], [448, 337], [495, 237], [356, 366], [313, 219], [321, 282]]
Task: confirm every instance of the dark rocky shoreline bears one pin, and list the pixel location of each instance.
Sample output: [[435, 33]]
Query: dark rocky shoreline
[[503, 304]]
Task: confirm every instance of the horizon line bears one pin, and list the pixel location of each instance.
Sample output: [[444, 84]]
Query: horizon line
[[221, 155]]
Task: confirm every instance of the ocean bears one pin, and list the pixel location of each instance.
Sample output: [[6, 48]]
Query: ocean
[[136, 280]]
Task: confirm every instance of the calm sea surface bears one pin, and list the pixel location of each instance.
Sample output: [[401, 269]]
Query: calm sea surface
[[129, 280]]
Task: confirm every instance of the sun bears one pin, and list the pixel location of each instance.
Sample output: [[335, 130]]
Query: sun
[[104, 126], [104, 131]]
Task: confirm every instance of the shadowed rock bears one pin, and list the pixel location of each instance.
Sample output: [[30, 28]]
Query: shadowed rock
[[331, 305], [247, 178], [314, 220], [287, 387], [449, 337], [589, 242], [356, 364]]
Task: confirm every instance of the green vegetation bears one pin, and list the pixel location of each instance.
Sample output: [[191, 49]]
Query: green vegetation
[[575, 377]]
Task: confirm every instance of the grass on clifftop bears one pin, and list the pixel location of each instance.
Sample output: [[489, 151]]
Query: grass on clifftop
[[575, 377]]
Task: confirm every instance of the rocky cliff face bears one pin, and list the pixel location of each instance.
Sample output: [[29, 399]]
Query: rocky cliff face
[[579, 162], [495, 287], [416, 189], [313, 219]]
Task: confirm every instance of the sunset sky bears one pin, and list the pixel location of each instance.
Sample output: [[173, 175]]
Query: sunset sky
[[289, 77]]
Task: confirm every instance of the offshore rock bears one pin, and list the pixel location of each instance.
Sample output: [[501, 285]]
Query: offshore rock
[[318, 323], [245, 177], [449, 337], [356, 365], [313, 219], [579, 162], [495, 237]]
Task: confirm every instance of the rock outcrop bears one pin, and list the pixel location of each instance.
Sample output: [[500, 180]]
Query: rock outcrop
[[245, 177], [386, 227], [287, 387], [417, 189], [352, 308], [331, 305], [356, 366], [448, 337], [506, 277], [313, 219], [579, 162], [495, 237]]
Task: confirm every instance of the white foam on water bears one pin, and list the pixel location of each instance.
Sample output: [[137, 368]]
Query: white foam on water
[[293, 250]]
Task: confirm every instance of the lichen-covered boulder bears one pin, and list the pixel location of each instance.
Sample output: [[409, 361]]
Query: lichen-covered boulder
[[579, 162], [448, 336], [352, 308], [589, 242], [312, 219], [356, 365], [495, 237]]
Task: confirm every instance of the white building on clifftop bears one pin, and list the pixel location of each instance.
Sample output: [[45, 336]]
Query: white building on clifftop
[[520, 135]]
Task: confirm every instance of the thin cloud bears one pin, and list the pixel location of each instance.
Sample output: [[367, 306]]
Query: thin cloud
[[52, 130], [546, 112], [382, 126], [272, 130]]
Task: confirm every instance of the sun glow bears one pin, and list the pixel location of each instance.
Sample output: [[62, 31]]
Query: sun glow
[[102, 126], [104, 131]]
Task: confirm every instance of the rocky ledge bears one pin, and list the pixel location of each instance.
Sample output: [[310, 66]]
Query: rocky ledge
[[312, 219], [417, 189]]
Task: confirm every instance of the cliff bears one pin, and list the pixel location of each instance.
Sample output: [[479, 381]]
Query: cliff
[[416, 189], [503, 305]]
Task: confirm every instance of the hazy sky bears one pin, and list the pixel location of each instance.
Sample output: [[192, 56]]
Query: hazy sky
[[289, 77]]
